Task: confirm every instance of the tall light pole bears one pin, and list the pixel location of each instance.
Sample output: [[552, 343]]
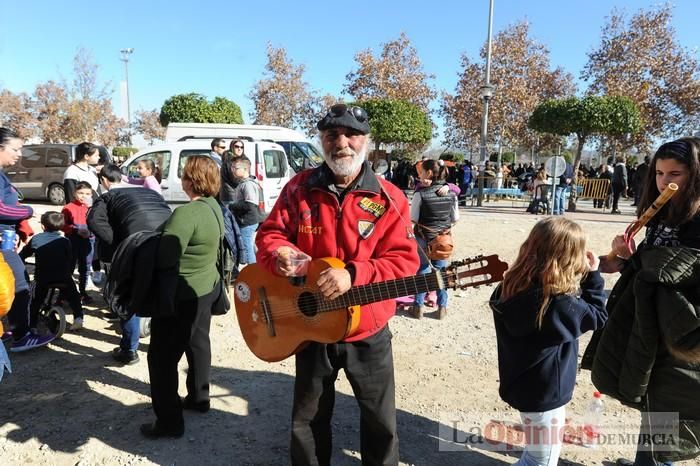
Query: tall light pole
[[485, 92], [125, 58]]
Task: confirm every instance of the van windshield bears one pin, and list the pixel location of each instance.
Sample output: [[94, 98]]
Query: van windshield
[[311, 152], [302, 155]]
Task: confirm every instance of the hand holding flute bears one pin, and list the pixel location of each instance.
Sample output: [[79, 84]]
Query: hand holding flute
[[623, 246]]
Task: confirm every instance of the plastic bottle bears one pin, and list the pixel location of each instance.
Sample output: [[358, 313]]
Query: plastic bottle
[[592, 421]]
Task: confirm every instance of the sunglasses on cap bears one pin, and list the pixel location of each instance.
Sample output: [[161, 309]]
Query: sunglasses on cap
[[338, 110]]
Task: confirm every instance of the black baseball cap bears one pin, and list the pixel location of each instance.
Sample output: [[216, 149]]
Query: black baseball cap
[[347, 116]]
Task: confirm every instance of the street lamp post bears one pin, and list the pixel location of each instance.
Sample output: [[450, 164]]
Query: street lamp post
[[125, 58], [485, 92]]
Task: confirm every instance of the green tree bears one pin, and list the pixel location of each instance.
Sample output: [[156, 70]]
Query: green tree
[[195, 108], [397, 122], [586, 117]]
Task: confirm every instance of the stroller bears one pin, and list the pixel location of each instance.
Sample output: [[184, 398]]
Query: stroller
[[540, 201]]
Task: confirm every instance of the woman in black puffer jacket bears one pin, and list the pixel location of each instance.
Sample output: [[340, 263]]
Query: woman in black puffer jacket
[[648, 355]]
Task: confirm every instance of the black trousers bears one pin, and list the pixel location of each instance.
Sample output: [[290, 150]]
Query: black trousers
[[617, 191], [186, 332], [19, 316], [369, 366]]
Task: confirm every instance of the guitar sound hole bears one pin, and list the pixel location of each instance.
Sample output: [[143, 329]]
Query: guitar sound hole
[[307, 304]]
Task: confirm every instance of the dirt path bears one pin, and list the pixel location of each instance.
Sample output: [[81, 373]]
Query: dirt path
[[69, 404]]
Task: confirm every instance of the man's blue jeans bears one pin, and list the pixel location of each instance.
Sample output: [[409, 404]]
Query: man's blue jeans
[[131, 331], [558, 207], [424, 268], [247, 235]]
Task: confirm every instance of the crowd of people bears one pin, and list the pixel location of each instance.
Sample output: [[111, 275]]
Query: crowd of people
[[626, 180], [550, 296]]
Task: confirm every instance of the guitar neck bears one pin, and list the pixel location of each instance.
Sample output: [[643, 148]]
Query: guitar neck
[[390, 289]]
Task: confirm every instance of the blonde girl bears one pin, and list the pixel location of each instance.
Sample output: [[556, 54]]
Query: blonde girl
[[551, 295]]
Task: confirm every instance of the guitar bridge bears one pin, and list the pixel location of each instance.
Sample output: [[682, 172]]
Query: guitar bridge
[[267, 315]]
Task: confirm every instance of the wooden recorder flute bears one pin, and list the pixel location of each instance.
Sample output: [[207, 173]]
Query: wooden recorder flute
[[634, 227]]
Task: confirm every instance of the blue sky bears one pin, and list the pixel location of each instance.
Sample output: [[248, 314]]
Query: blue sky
[[217, 48]]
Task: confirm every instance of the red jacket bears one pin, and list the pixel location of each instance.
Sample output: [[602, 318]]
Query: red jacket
[[74, 213], [365, 232]]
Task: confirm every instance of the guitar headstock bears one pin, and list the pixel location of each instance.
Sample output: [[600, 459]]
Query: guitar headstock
[[475, 271]]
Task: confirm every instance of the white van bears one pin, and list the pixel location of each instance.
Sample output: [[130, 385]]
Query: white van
[[300, 152], [269, 166]]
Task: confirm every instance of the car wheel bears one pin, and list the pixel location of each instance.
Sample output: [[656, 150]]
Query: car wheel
[[56, 194]]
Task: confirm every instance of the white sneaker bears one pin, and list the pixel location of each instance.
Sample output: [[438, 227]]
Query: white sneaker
[[77, 324]]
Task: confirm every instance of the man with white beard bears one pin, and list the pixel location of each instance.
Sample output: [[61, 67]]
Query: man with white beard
[[342, 209]]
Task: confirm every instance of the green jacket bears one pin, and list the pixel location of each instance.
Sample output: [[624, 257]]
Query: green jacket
[[190, 242], [648, 353]]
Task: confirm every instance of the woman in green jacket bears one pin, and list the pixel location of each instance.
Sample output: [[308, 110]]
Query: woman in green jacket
[[189, 243]]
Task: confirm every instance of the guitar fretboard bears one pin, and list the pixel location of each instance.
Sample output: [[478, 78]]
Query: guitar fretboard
[[381, 291]]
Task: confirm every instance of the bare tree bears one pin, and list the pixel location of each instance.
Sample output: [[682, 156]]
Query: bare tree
[[396, 74], [15, 113], [642, 59], [51, 104], [90, 116], [147, 122], [523, 78], [282, 97]]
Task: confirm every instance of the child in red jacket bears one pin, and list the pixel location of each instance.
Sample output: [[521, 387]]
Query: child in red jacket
[[76, 230]]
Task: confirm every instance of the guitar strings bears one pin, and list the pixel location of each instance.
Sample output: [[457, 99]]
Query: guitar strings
[[322, 304]]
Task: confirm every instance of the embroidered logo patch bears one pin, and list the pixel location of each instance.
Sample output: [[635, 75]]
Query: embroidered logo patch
[[365, 228], [372, 207]]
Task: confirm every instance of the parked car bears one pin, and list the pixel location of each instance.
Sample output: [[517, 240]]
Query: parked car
[[38, 174], [301, 154], [268, 165]]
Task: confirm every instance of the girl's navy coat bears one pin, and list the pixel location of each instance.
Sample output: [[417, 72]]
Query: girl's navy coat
[[537, 367]]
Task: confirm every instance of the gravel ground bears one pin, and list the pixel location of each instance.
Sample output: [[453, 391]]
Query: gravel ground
[[69, 404]]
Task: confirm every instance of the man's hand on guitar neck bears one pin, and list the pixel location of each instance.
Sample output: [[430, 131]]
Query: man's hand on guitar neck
[[334, 282]]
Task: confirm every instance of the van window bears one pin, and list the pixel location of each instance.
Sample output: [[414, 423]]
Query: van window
[[275, 163], [301, 155], [162, 159], [33, 157], [311, 152], [189, 153], [57, 157]]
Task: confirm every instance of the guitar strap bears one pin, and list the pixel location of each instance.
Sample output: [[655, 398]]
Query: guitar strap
[[407, 225]]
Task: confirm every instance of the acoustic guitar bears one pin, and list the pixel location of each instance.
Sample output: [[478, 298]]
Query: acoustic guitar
[[278, 316]]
